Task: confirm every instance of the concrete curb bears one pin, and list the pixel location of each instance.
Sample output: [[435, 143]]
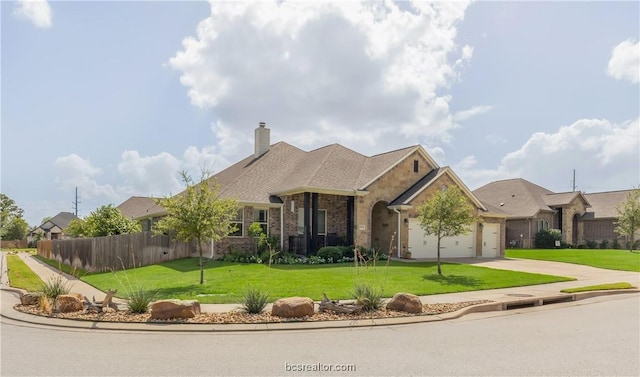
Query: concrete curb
[[10, 313]]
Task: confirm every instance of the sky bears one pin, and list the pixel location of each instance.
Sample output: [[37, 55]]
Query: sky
[[116, 98]]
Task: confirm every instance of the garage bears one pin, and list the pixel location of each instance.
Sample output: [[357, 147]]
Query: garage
[[490, 240], [422, 246]]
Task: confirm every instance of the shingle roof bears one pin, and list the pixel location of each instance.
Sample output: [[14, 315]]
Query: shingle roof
[[516, 197], [61, 220], [403, 199], [285, 168], [604, 204], [139, 206]]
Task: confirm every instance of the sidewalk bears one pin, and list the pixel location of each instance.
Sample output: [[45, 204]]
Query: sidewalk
[[502, 298]]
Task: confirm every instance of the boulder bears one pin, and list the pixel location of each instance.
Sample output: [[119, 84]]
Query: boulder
[[166, 309], [293, 307], [30, 298], [405, 302], [67, 304], [78, 295]]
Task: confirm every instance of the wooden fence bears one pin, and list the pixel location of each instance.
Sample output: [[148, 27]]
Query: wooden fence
[[13, 244], [115, 252]]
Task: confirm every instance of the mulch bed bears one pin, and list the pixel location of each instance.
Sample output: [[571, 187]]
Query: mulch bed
[[237, 317]]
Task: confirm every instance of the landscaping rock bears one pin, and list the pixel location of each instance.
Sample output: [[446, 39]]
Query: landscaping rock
[[30, 298], [166, 309], [293, 307], [405, 302], [67, 304]]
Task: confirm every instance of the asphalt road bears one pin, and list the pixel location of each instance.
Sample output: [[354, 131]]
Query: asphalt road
[[596, 337]]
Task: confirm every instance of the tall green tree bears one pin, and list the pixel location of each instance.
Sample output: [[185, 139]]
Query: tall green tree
[[629, 217], [9, 211], [447, 214], [17, 229], [198, 214], [104, 221]]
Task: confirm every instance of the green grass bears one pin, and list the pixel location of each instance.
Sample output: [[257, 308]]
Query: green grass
[[611, 259], [77, 272], [225, 282], [601, 287], [21, 276]]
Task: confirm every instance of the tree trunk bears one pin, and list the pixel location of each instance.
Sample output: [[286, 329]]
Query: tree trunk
[[439, 270], [201, 262]]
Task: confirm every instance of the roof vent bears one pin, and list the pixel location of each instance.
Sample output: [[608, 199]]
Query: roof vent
[[262, 141]]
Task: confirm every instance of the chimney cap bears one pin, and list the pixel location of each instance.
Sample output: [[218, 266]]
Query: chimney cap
[[262, 124]]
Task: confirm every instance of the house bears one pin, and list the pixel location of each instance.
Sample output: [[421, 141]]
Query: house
[[336, 196], [530, 208], [142, 209], [52, 229]]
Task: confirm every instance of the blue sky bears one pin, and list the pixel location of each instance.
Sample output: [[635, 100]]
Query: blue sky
[[116, 97]]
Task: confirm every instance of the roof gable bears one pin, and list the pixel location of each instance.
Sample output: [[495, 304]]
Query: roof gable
[[604, 205], [61, 220], [137, 207]]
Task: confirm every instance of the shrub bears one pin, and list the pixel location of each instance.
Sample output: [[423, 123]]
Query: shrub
[[138, 301], [55, 287], [368, 297], [254, 300], [592, 244], [347, 251], [615, 244], [546, 239], [604, 244], [330, 253]]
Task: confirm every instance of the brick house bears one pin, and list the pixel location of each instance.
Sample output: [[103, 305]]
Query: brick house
[[530, 208], [336, 196], [53, 228]]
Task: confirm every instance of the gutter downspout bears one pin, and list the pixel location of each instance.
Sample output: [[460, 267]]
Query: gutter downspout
[[399, 228], [282, 226]]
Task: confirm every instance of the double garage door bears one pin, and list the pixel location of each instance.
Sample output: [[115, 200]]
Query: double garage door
[[462, 246]]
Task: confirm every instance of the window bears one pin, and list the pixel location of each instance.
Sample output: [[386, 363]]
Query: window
[[238, 221], [415, 166], [542, 225], [322, 221], [261, 216]]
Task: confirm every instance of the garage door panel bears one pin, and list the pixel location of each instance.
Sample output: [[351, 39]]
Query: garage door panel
[[422, 246]]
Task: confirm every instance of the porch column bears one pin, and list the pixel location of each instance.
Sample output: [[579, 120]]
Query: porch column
[[350, 219], [307, 223], [314, 222]]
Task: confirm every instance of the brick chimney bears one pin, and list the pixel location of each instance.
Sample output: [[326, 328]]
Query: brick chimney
[[262, 140]]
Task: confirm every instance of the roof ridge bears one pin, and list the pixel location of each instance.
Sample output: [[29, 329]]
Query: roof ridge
[[324, 159], [395, 150]]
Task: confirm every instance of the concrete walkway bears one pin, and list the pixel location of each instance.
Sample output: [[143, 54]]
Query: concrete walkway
[[502, 298]]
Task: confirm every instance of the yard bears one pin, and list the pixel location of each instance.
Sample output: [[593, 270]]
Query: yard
[[611, 259], [225, 282]]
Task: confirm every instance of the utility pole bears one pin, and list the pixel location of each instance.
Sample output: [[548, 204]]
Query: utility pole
[[75, 203], [574, 180]]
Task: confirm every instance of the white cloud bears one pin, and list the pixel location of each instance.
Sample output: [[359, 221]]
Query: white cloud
[[625, 62], [37, 11], [602, 153], [321, 72], [73, 171], [470, 113], [149, 175]]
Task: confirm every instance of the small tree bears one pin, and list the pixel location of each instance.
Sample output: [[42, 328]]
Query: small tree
[[263, 240], [77, 228], [447, 214], [198, 213], [629, 217]]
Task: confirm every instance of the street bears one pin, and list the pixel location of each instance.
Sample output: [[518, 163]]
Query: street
[[595, 337]]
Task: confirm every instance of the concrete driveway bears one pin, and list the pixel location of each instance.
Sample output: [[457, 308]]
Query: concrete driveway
[[577, 271]]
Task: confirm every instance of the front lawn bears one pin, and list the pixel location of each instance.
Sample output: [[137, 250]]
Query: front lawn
[[611, 259], [224, 281]]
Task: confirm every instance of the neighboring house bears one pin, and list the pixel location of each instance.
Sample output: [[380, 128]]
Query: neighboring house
[[530, 208], [142, 209], [52, 229]]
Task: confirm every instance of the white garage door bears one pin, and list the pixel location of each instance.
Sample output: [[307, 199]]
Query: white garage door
[[490, 240], [422, 246]]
